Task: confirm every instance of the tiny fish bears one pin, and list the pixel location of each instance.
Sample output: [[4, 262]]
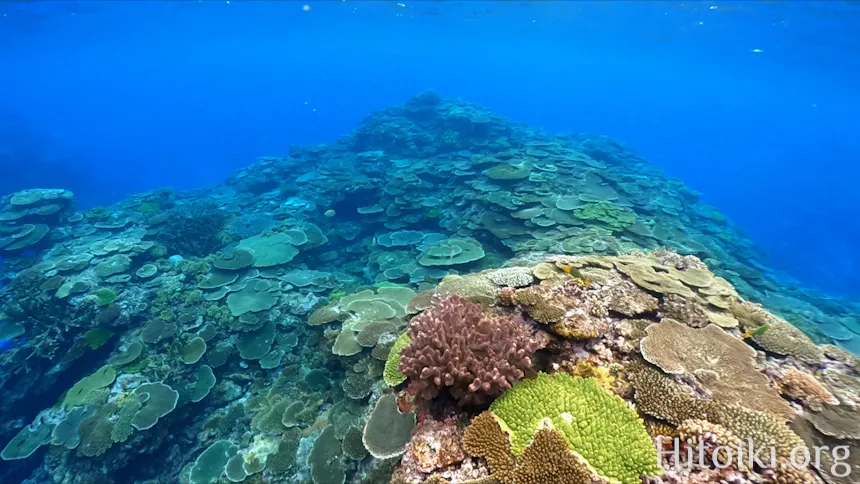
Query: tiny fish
[[755, 332], [574, 272]]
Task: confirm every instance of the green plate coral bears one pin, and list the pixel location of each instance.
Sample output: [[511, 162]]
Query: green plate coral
[[597, 425]]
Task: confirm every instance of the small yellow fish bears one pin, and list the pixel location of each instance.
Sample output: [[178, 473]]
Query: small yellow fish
[[756, 331]]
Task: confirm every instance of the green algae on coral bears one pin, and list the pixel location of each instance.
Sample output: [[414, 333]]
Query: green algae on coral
[[27, 441], [451, 252], [325, 459], [433, 213], [204, 384], [270, 250], [255, 344], [128, 355], [193, 350], [97, 337]]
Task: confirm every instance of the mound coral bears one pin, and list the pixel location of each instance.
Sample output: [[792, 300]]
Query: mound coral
[[455, 346]]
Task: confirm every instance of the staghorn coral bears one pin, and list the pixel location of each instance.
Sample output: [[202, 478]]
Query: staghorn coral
[[456, 347]]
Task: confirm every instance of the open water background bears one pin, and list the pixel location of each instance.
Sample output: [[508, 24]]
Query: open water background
[[754, 104]]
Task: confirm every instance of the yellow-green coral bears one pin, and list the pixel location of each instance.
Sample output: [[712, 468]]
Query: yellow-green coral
[[392, 374], [547, 460], [597, 425]]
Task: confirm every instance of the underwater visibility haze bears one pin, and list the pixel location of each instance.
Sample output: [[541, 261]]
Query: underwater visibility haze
[[429, 242]]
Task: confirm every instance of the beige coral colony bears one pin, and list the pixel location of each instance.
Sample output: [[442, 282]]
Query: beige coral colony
[[441, 296]]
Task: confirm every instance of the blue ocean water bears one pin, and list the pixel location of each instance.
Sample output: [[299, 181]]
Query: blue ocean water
[[387, 216], [751, 103]]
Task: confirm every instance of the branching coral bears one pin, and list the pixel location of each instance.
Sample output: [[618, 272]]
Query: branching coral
[[455, 346], [193, 229]]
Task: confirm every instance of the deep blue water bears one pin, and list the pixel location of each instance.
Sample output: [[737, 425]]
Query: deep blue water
[[754, 104]]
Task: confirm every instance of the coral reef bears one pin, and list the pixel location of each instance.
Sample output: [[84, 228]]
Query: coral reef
[[441, 296]]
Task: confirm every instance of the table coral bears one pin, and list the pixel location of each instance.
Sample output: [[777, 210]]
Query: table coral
[[723, 364]]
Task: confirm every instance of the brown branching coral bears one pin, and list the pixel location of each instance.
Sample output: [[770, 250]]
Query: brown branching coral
[[547, 460], [785, 472], [484, 438], [476, 357], [719, 442], [688, 311], [660, 396], [537, 304]]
